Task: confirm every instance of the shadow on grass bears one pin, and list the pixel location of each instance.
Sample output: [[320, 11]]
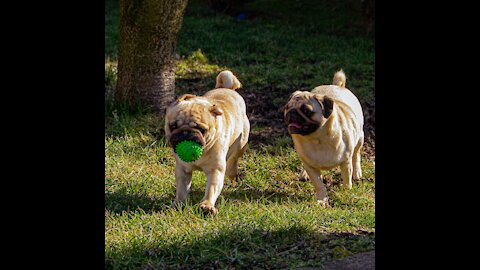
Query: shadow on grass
[[245, 248], [121, 201], [268, 196]]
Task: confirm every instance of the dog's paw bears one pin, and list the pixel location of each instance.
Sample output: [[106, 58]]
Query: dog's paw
[[240, 175], [303, 177], [323, 202], [208, 208], [235, 178], [357, 175], [346, 186], [177, 204]]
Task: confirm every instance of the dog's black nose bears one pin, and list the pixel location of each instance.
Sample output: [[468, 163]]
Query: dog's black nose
[[293, 117], [184, 136]]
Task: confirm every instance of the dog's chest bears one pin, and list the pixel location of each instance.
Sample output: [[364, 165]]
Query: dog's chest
[[319, 155]]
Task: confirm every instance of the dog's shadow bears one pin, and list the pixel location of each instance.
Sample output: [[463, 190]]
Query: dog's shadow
[[268, 195], [121, 201]]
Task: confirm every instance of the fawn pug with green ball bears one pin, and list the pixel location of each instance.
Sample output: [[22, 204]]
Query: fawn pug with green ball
[[217, 121], [326, 125]]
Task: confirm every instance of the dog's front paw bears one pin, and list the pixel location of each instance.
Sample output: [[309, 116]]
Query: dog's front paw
[[208, 208]]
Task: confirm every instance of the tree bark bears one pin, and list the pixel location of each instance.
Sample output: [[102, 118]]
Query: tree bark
[[146, 52]]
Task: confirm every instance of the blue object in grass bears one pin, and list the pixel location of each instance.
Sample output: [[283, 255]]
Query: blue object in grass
[[242, 16]]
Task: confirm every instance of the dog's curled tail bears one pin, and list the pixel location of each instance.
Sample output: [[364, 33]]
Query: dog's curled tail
[[226, 79], [340, 79]]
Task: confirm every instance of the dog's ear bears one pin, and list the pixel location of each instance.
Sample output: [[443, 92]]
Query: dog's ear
[[185, 97], [326, 103], [215, 111], [294, 93], [289, 98]]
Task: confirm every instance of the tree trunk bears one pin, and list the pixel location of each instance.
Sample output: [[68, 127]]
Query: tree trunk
[[146, 52]]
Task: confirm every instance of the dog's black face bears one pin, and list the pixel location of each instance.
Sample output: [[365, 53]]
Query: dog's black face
[[299, 121], [304, 111], [186, 133], [190, 118]]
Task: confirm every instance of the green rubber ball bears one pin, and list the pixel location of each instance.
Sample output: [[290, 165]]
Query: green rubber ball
[[188, 151]]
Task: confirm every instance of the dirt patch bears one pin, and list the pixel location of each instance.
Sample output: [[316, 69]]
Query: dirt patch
[[369, 128], [361, 261]]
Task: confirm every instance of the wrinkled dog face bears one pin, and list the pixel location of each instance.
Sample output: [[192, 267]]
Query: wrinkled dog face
[[304, 112], [190, 118]]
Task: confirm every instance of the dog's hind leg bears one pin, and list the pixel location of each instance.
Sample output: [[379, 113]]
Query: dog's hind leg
[[232, 167], [232, 163], [237, 150], [357, 156], [346, 169]]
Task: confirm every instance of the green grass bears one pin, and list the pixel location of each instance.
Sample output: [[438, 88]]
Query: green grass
[[267, 219]]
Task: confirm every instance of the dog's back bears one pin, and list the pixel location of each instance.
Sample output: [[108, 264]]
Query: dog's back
[[234, 108], [337, 91], [225, 83]]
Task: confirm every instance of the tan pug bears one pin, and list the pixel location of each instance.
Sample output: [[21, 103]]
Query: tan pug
[[326, 125], [217, 121]]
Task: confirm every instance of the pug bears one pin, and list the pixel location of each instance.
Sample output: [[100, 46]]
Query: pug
[[219, 123], [326, 126]]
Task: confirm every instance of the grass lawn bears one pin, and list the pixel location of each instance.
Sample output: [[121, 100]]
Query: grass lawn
[[268, 219]]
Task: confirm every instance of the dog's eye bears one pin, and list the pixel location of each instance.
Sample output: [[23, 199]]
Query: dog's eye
[[173, 126], [306, 111]]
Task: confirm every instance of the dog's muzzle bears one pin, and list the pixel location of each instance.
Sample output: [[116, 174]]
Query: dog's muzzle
[[298, 123], [186, 135]]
